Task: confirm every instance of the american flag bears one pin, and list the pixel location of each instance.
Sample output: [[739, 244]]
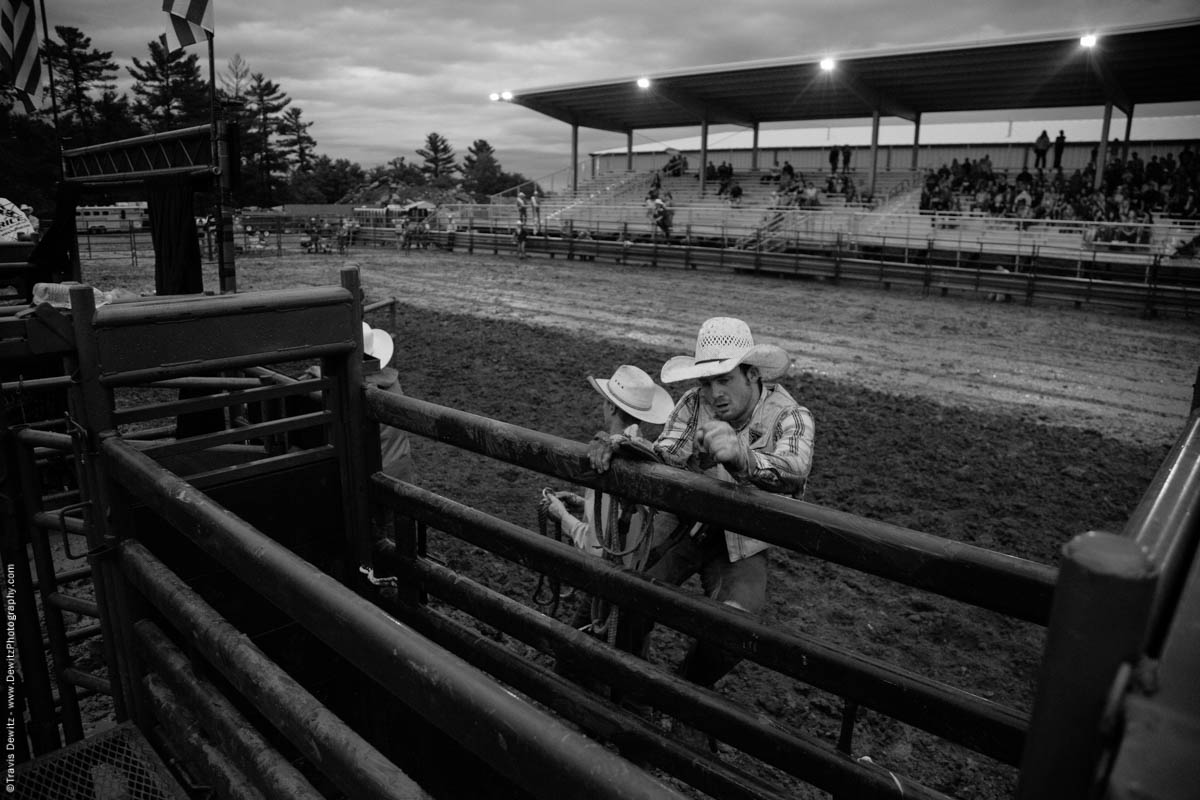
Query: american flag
[[19, 63], [189, 21]]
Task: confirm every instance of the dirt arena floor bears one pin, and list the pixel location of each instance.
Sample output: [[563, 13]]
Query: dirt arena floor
[[998, 424]]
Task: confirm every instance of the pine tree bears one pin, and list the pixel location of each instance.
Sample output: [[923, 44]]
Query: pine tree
[[481, 171], [295, 142], [236, 78], [264, 161], [439, 158], [114, 118], [79, 71], [328, 181], [169, 91]]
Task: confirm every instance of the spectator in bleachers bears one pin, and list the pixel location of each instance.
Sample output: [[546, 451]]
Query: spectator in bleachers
[[851, 191], [1154, 170], [663, 216], [1060, 142], [788, 171], [834, 153], [710, 172], [735, 193], [810, 196], [846, 158], [536, 205]]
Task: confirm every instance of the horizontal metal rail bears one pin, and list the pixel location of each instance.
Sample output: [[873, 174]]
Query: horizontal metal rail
[[207, 769], [1028, 277], [340, 753], [77, 677], [32, 437], [218, 399], [1166, 524], [254, 755], [939, 708], [76, 605], [1012, 586], [519, 741], [645, 741]]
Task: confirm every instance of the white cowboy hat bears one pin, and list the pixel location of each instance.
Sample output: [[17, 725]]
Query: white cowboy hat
[[636, 393], [724, 343], [377, 344]]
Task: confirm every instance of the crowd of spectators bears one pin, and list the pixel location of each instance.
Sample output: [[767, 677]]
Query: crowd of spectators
[[1131, 192]]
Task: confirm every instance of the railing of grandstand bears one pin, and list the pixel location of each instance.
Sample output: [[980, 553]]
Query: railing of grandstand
[[555, 184], [965, 233]]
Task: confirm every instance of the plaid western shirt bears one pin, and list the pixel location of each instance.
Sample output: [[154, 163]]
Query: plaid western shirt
[[779, 437]]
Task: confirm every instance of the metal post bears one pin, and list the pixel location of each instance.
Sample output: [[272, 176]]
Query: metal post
[[1097, 623], [1102, 149], [916, 142], [874, 148], [575, 158], [226, 272]]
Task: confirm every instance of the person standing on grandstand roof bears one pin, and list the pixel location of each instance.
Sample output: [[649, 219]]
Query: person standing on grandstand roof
[[1060, 142], [737, 427], [1040, 147]]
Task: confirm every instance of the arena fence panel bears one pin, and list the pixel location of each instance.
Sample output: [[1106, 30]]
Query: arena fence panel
[[313, 646]]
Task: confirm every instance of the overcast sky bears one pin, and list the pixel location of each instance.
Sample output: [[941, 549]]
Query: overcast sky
[[376, 76]]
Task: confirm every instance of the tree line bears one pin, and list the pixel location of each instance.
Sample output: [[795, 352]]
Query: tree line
[[278, 160]]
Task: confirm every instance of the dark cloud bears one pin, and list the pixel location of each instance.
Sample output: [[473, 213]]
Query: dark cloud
[[375, 77]]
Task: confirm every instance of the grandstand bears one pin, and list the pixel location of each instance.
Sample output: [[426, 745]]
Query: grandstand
[[887, 218]]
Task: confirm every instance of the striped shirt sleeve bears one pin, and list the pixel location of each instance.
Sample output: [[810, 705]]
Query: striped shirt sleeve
[[785, 467]]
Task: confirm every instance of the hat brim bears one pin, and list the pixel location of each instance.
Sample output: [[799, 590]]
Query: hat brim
[[661, 405], [772, 362]]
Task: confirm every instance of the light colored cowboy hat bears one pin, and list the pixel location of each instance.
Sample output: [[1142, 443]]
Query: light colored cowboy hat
[[633, 391], [378, 344], [722, 344]]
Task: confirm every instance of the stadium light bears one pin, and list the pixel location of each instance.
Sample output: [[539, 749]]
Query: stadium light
[[643, 83], [506, 96], [494, 96], [827, 64], [1088, 40]]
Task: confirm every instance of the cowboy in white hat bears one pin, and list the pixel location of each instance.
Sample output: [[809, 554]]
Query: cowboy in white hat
[[739, 427], [631, 398], [395, 449]]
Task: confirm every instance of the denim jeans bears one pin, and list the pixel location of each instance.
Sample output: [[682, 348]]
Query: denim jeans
[[742, 584]]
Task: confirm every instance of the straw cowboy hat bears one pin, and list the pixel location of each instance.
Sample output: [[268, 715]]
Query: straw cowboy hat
[[633, 391], [724, 343], [377, 344]]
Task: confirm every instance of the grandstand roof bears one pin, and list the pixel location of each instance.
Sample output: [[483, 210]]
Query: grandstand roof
[[1128, 67], [1021, 132]]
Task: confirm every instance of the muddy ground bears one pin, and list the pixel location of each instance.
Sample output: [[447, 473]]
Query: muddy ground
[[998, 424]]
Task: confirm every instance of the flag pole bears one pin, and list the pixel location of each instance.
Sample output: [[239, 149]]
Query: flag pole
[[221, 168], [50, 82]]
